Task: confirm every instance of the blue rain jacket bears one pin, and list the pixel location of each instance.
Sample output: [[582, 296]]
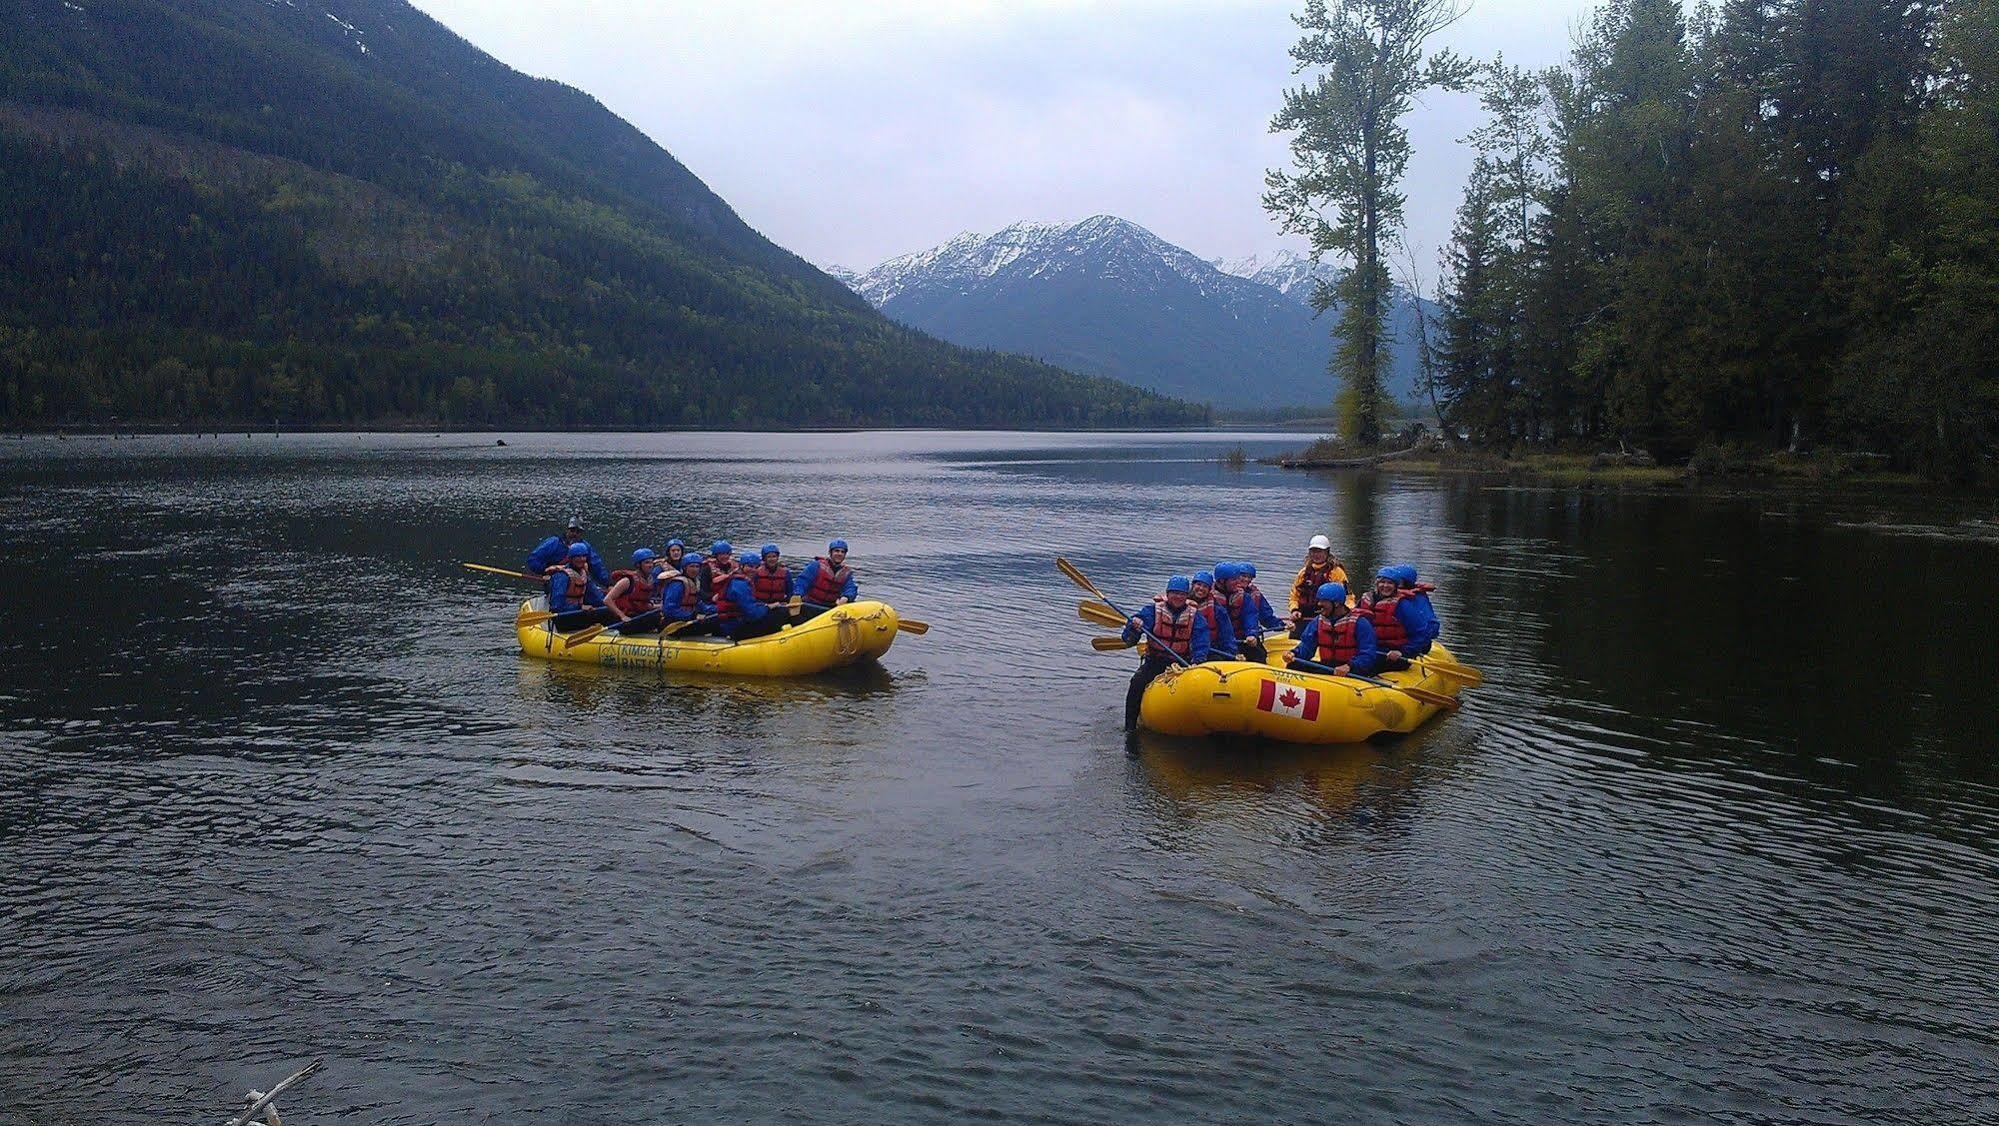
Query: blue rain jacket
[[1221, 641], [1366, 658], [809, 574], [563, 600], [553, 551]]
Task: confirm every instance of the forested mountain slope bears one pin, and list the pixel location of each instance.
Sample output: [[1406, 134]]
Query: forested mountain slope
[[338, 211]]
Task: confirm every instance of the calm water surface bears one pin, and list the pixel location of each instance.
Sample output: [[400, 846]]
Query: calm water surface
[[1718, 840]]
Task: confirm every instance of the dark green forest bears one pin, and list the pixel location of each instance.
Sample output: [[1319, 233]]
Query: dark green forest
[[229, 211], [1772, 225]]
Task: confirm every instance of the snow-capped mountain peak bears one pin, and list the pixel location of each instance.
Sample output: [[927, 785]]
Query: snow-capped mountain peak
[[1106, 296], [1024, 250], [1286, 271]]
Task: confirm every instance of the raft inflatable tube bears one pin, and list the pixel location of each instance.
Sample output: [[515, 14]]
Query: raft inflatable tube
[[844, 635], [1273, 702]]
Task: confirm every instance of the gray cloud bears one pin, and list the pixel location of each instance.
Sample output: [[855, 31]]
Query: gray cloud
[[851, 133]]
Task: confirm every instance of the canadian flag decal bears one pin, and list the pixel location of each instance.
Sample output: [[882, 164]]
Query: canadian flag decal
[[1288, 699]]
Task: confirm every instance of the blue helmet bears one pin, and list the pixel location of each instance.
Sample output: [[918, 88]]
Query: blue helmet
[[1332, 594], [1247, 569], [837, 545], [1405, 574], [721, 547], [693, 559], [676, 543], [769, 549], [643, 555], [1177, 584], [579, 548], [1225, 571], [1390, 572], [1205, 577]]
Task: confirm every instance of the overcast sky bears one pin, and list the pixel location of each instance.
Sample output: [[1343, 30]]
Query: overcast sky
[[853, 132]]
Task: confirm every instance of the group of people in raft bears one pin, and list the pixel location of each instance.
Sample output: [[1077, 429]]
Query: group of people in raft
[[720, 594], [1221, 615]]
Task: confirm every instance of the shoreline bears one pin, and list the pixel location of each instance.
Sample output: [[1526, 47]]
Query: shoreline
[[1773, 470]]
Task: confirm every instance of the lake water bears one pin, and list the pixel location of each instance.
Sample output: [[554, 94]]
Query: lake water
[[1719, 838]]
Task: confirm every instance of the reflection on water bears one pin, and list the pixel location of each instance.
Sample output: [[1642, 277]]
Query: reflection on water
[[1699, 848]]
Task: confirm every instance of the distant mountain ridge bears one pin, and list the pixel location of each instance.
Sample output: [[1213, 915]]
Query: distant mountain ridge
[[1106, 296], [338, 211]]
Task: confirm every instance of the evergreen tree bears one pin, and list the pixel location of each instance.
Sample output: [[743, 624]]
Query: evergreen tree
[[1471, 378], [1350, 150]]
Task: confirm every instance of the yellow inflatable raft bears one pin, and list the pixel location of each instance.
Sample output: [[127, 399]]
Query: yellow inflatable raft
[[844, 635], [1273, 702]]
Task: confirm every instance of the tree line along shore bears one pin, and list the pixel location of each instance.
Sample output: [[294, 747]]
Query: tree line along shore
[[1759, 235]]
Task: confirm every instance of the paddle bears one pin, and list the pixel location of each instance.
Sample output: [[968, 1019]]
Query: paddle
[[904, 625], [533, 617], [1108, 644], [1100, 614], [1080, 579], [501, 571], [583, 635], [1423, 694], [675, 627], [1463, 673]]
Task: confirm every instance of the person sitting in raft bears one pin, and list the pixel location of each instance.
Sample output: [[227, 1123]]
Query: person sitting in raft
[[770, 579], [739, 615], [553, 553], [1214, 613], [826, 582], [1396, 620], [1341, 637], [1321, 567], [675, 554], [682, 597], [574, 596], [1249, 612], [636, 592], [1172, 619], [1417, 594], [1402, 617], [718, 570]]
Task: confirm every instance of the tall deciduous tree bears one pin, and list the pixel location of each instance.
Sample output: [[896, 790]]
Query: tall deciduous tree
[[1368, 59]]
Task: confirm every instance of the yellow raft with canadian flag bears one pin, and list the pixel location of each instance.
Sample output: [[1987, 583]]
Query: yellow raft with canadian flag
[[1273, 702], [842, 636]]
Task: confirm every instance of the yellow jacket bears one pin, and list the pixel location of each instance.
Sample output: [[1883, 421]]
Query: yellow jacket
[[1299, 583]]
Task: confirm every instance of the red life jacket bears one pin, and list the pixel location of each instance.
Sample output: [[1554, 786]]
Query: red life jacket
[[641, 596], [1175, 631], [1205, 607], [828, 582], [718, 579], [1388, 630], [770, 586], [1337, 643], [690, 589], [577, 588], [726, 606], [1310, 579]]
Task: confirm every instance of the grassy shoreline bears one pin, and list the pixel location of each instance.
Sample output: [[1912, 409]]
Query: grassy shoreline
[[1617, 469]]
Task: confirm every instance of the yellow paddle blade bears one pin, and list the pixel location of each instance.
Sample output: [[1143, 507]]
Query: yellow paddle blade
[[911, 625], [1464, 673], [582, 635], [1078, 577], [1106, 644], [1100, 614], [500, 571], [534, 617], [1429, 697]]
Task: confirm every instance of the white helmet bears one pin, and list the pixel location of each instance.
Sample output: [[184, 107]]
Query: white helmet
[[1321, 542]]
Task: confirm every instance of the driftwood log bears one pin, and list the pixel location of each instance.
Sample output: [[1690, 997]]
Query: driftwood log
[[1351, 462], [266, 1103]]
